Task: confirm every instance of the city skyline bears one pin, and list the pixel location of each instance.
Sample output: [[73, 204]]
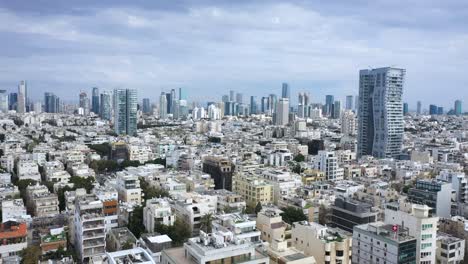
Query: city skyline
[[319, 51]]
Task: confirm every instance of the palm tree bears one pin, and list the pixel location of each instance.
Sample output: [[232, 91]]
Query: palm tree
[[205, 222]]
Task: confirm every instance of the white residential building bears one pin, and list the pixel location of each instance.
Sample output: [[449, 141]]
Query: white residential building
[[157, 211], [327, 162], [420, 224], [128, 187], [141, 153], [14, 210], [28, 169]]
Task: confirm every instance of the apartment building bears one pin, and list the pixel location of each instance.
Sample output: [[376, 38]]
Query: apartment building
[[157, 211]]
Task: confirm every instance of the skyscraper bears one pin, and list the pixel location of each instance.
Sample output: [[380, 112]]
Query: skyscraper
[[253, 105], [125, 111], [239, 98], [168, 103], [301, 105], [405, 108], [336, 114], [285, 92], [282, 112], [419, 108], [105, 111], [3, 101], [84, 103], [349, 102], [173, 100], [440, 110], [458, 107], [182, 94], [51, 103], [231, 96], [95, 101], [433, 109], [13, 101], [329, 100], [22, 93], [273, 101], [380, 114], [146, 106], [163, 106]]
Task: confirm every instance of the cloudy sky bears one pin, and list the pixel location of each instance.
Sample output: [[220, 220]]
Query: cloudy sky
[[210, 47]]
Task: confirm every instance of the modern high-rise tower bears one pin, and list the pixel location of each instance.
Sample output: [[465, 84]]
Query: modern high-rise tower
[[163, 106], [51, 103], [105, 111], [125, 111], [405, 108], [329, 100], [285, 92], [458, 107], [84, 103], [13, 101], [22, 94], [380, 113], [282, 112], [95, 100], [419, 108], [146, 106], [253, 105], [3, 101], [349, 102]]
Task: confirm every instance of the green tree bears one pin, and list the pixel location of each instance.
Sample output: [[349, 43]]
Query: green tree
[[179, 232], [291, 214], [135, 222], [258, 208], [103, 149], [81, 182], [299, 158], [205, 222], [151, 191], [127, 245], [30, 255]]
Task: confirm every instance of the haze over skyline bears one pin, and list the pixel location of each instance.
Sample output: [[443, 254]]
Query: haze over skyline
[[211, 47]]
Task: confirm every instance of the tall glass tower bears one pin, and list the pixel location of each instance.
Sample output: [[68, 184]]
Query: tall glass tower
[[105, 111], [95, 100], [458, 107], [285, 92], [51, 103], [125, 111], [380, 113]]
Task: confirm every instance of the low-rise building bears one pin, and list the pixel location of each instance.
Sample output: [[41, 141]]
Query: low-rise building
[[326, 245], [270, 223], [450, 249], [55, 239], [157, 211], [14, 238]]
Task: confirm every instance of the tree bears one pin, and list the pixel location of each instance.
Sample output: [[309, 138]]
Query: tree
[[299, 158], [127, 245], [323, 215], [258, 208], [30, 255], [81, 182], [205, 222], [103, 149], [135, 222], [179, 232], [297, 169], [152, 191], [61, 196], [291, 214]]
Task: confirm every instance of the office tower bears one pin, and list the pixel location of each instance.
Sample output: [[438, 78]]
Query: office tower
[[383, 243], [285, 92], [3, 101], [37, 107], [13, 101], [458, 107], [421, 225], [163, 106], [282, 112], [22, 91], [173, 99], [95, 100], [348, 123], [51, 103], [182, 94], [440, 110], [349, 102], [125, 112], [146, 106], [253, 105], [264, 105], [329, 99], [336, 110], [183, 109], [405, 108], [419, 108], [231, 96], [168, 103], [433, 109], [105, 111], [239, 98], [221, 171], [225, 98], [84, 103], [380, 114], [90, 228], [306, 105], [273, 102]]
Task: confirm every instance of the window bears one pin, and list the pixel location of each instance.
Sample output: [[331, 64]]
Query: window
[[339, 253], [327, 253]]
